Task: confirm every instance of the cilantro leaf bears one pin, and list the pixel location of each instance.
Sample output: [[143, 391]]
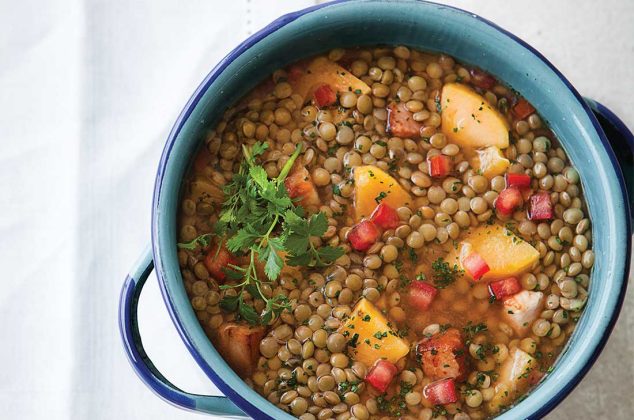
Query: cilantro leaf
[[259, 176], [297, 242], [244, 238], [328, 254], [233, 273], [248, 313], [296, 233], [299, 260], [318, 224], [274, 262], [259, 148], [229, 303], [253, 290], [294, 218]]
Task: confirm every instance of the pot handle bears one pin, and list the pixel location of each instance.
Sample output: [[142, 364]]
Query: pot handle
[[141, 363], [622, 141]]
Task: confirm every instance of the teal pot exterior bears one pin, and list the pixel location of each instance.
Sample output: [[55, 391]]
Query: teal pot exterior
[[425, 26]]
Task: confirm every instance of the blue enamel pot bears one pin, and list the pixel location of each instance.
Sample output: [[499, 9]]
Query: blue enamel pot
[[596, 141]]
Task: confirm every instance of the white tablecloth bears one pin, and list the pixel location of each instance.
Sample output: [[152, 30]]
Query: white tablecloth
[[88, 93]]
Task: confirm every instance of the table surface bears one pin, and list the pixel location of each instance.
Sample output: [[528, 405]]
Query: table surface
[[90, 89]]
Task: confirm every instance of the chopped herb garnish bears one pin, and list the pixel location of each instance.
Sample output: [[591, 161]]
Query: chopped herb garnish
[[395, 406], [471, 329], [380, 197], [404, 281], [402, 332], [292, 383], [379, 335], [354, 340], [480, 352], [444, 275], [438, 106], [352, 386], [413, 257]]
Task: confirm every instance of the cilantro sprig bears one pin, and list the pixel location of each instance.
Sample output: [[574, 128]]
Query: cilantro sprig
[[261, 222]]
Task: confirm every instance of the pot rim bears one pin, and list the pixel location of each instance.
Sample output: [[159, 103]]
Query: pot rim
[[251, 402]]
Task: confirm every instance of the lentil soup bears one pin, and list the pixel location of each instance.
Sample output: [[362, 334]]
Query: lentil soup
[[385, 233]]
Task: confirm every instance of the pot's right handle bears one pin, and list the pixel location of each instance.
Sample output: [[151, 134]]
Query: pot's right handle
[[622, 141]]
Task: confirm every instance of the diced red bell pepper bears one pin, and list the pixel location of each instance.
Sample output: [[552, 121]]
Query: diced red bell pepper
[[441, 392], [540, 207], [421, 295], [217, 260], [385, 217], [324, 96], [401, 122], [508, 200], [439, 166], [501, 289], [474, 265], [363, 235], [518, 180], [523, 109], [482, 79], [381, 374]]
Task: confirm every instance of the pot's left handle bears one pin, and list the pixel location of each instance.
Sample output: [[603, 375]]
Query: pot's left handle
[[143, 366]]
